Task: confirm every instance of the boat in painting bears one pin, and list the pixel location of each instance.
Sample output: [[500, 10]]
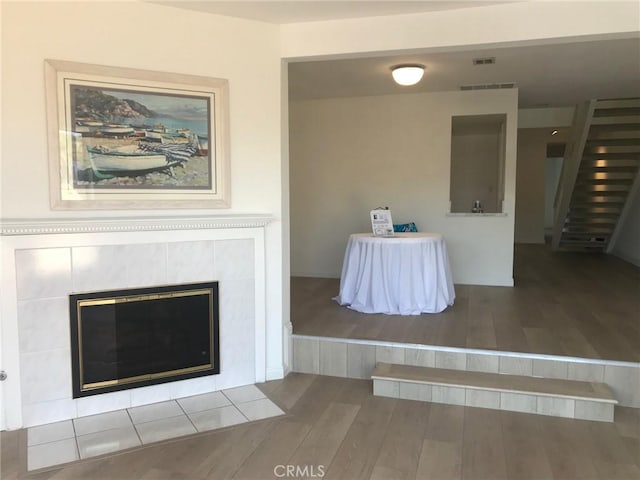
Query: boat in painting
[[202, 145], [139, 159], [117, 130], [151, 136], [128, 160]]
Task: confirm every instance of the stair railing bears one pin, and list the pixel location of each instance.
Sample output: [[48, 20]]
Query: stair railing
[[570, 166]]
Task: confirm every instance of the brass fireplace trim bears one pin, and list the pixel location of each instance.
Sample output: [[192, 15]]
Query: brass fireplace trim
[[87, 387], [140, 378]]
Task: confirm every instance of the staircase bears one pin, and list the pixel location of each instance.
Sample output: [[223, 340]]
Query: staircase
[[600, 173]]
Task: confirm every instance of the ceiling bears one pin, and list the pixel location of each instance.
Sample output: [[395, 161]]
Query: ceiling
[[295, 11], [551, 75]]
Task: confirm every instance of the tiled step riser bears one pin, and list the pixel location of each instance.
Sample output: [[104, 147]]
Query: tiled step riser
[[514, 402], [357, 359]]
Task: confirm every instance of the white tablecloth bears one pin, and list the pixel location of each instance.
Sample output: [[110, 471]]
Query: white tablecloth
[[407, 274]]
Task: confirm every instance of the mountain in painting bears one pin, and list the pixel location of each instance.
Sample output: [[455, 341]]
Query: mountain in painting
[[94, 103]]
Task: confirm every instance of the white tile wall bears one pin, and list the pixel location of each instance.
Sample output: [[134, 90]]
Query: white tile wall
[[550, 369], [146, 264], [46, 375], [556, 407], [482, 398], [483, 363], [419, 357], [43, 273], [237, 333], [362, 357], [451, 360], [415, 391], [333, 359], [190, 261], [361, 360], [48, 412], [150, 394], [516, 402], [448, 395], [234, 258], [386, 388], [306, 356], [46, 276], [44, 324], [585, 372], [193, 386], [388, 354], [602, 412], [516, 366], [100, 268], [625, 383]]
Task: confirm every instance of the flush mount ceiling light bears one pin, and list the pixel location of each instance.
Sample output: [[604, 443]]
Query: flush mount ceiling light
[[407, 74]]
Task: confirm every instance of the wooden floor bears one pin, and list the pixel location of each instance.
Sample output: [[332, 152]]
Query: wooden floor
[[574, 304], [336, 429]]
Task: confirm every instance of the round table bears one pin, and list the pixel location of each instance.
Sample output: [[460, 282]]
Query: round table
[[407, 274]]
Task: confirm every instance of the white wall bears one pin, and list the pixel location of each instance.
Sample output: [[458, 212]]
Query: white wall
[[475, 168], [552, 171], [525, 22], [142, 35], [627, 245], [530, 185], [350, 155]]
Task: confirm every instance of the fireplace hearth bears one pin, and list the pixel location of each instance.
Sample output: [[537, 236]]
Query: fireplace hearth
[[123, 339]]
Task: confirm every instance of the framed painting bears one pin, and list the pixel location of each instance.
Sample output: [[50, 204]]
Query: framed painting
[[123, 138]]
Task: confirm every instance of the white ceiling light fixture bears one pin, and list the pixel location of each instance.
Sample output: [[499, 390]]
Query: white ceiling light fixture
[[407, 74]]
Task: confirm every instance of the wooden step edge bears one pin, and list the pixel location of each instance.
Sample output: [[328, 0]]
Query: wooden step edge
[[594, 392]]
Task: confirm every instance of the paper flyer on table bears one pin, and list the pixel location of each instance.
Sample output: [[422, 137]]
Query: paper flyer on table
[[381, 222]]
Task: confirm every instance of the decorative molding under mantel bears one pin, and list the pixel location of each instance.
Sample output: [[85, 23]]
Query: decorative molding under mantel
[[16, 227]]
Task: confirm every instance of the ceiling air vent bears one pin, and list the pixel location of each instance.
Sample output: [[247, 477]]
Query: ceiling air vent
[[488, 86], [484, 61]]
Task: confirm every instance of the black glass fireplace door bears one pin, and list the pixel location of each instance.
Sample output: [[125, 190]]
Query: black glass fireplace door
[[130, 338]]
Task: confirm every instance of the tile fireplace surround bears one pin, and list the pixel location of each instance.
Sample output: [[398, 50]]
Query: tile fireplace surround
[[44, 261]]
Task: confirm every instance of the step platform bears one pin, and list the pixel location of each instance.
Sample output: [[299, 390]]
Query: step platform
[[541, 396]]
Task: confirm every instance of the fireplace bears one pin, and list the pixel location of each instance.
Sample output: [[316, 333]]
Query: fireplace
[[137, 337]]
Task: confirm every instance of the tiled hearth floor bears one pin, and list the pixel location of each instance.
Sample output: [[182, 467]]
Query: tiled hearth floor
[[86, 437]]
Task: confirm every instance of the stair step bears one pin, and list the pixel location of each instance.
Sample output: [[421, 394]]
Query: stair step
[[600, 189], [615, 111], [612, 155], [588, 225], [622, 126], [619, 141], [597, 209], [628, 166], [596, 242], [589, 234], [616, 120], [543, 396], [621, 178], [599, 197], [631, 102]]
